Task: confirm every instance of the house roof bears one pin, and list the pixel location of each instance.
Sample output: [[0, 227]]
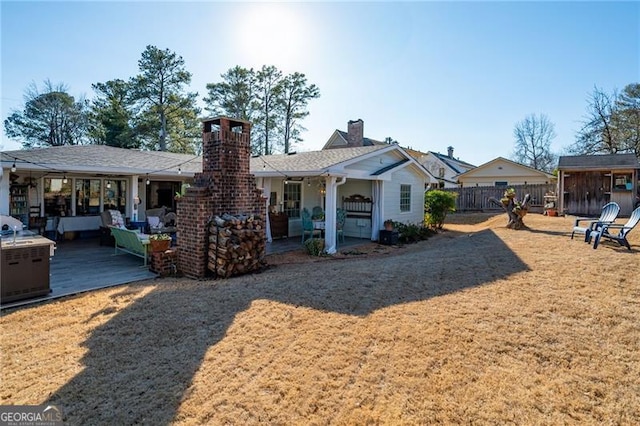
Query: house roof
[[311, 162], [102, 158], [598, 162], [454, 164], [365, 141], [111, 160], [340, 139], [502, 159]]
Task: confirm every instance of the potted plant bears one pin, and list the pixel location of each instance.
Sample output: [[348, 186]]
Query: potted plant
[[159, 242], [389, 235]]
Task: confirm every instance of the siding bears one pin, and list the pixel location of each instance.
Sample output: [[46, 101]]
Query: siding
[[391, 194], [374, 163]]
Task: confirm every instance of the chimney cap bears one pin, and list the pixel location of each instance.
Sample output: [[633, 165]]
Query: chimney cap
[[218, 118]]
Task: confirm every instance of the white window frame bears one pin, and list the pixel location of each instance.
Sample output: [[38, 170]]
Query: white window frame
[[405, 198]]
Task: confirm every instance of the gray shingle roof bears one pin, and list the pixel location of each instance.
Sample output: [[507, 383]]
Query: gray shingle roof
[[599, 162], [365, 141], [452, 162], [103, 158], [312, 161]]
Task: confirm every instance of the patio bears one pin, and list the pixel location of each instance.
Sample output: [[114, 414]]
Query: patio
[[83, 265]]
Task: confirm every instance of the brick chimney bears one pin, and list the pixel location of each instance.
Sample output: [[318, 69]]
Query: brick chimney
[[355, 133], [450, 152], [224, 186]]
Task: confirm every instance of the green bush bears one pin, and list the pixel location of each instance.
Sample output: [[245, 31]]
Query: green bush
[[407, 232], [411, 233], [314, 246], [437, 204]]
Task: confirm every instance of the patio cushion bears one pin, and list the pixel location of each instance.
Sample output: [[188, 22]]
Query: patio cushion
[[112, 218], [154, 221], [159, 212]]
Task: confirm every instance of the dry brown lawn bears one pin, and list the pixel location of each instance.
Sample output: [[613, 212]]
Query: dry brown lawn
[[477, 325]]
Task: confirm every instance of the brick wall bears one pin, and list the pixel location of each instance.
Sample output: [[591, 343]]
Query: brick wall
[[193, 211], [224, 186], [355, 133], [164, 263]]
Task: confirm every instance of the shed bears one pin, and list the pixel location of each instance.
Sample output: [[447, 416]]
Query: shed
[[588, 182]]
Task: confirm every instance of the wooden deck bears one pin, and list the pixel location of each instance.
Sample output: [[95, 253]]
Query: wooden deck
[[84, 265]]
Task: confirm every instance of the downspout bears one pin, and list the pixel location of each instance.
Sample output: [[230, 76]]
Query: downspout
[[330, 215]]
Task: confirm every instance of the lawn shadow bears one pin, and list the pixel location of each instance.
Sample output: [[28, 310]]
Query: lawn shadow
[[140, 363]]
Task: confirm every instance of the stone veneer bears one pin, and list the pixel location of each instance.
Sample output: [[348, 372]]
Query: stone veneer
[[224, 186]]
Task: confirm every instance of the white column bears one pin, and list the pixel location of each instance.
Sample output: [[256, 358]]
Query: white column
[[4, 192], [376, 211], [330, 213], [132, 209], [266, 191]]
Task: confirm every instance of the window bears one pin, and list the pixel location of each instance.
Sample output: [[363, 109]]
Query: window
[[405, 198], [57, 197], [115, 195], [273, 202], [292, 196], [441, 172], [162, 193], [501, 183], [88, 197], [622, 182]]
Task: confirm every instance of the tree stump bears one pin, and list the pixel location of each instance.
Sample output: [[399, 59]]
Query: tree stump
[[516, 210]]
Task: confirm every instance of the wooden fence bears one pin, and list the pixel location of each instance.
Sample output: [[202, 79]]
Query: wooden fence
[[477, 198]]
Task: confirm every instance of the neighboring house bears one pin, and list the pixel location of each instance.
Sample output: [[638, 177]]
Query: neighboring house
[[588, 182], [503, 172], [372, 181], [354, 136], [445, 168]]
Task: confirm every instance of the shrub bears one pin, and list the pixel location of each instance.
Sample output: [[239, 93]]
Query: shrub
[[314, 246], [437, 204], [411, 233]]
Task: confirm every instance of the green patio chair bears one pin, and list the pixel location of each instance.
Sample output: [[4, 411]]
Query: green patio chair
[[341, 217], [307, 225], [317, 213]]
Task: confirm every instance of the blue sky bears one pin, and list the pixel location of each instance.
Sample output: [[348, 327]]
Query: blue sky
[[428, 74]]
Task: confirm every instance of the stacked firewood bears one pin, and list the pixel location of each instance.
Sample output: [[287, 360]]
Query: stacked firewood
[[236, 245]]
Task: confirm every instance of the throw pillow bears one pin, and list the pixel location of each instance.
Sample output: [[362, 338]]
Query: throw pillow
[[116, 218]]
